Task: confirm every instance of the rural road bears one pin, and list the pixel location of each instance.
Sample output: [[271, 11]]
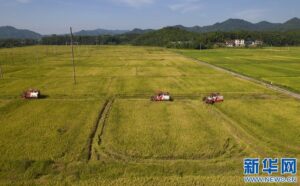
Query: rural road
[[273, 87]]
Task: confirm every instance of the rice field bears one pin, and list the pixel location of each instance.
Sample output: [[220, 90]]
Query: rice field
[[181, 130], [105, 130], [278, 66]]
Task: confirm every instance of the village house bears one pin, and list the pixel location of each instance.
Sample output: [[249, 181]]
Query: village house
[[235, 43], [243, 43], [239, 42]]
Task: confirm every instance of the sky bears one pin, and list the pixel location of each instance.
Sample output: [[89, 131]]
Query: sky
[[56, 16]]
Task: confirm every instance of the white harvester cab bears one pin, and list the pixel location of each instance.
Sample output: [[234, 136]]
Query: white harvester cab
[[31, 94], [162, 96]]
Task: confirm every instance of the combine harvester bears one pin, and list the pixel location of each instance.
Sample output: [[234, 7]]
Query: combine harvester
[[213, 98], [31, 94], [162, 96]]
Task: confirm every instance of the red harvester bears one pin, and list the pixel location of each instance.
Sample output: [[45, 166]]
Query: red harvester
[[213, 98], [162, 96], [31, 94]]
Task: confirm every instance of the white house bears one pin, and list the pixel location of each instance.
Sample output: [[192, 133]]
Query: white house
[[239, 42]]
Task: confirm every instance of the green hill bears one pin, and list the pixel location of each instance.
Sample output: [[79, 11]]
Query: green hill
[[165, 37], [240, 24], [9, 32]]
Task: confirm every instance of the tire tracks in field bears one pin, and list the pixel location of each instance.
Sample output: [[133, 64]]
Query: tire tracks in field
[[99, 130], [244, 77], [87, 152]]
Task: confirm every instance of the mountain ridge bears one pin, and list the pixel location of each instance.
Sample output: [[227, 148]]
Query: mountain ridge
[[7, 32], [240, 24], [100, 31]]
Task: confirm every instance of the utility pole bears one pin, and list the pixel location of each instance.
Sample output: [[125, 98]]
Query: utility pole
[[1, 75], [36, 57], [1, 72], [73, 61]]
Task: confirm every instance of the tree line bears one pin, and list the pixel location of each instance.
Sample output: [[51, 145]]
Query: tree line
[[167, 37], [9, 43]]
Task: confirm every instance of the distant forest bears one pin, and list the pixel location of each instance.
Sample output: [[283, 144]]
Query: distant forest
[[171, 37]]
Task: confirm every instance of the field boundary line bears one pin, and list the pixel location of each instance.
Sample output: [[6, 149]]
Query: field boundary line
[[248, 78]]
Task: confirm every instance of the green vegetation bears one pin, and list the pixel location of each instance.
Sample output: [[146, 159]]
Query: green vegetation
[[8, 32], [171, 37], [179, 37], [175, 36], [279, 66], [104, 130]]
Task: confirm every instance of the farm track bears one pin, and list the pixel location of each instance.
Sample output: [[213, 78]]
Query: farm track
[[101, 121], [235, 74], [95, 128]]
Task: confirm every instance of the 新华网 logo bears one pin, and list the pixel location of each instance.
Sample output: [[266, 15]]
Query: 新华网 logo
[[286, 167]]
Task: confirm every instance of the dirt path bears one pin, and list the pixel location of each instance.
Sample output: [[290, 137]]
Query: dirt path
[[273, 87], [96, 138], [101, 114]]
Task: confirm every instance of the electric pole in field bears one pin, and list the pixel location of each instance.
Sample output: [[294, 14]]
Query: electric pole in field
[[73, 61], [36, 57], [1, 75], [1, 72]]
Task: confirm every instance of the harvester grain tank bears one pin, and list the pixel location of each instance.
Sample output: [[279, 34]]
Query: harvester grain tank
[[162, 96], [213, 98]]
